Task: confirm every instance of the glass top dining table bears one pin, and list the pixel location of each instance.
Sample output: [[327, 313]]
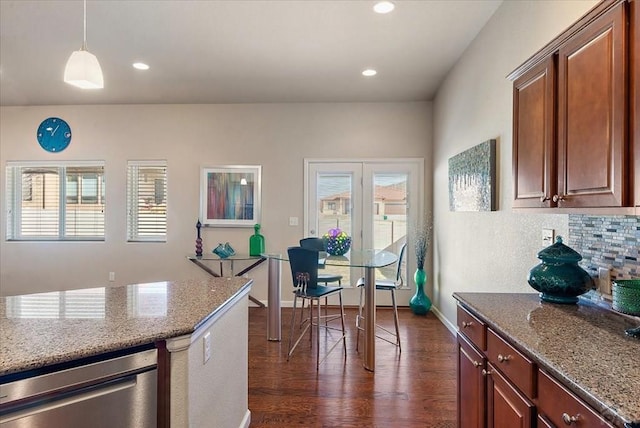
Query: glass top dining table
[[369, 259]]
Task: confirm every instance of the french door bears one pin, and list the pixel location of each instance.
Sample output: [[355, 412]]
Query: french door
[[374, 201]]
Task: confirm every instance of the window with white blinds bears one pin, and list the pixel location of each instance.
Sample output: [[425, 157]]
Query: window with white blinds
[[147, 201], [55, 200]]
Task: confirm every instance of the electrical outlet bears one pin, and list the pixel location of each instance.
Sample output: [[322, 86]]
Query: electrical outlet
[[604, 281], [206, 341], [112, 276], [548, 237]]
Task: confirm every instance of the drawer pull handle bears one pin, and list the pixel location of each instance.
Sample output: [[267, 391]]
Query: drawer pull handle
[[503, 359], [569, 420], [476, 364], [466, 324], [486, 372], [558, 198]]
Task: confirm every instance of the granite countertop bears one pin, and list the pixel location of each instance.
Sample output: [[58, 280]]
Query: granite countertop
[[583, 346], [39, 330]]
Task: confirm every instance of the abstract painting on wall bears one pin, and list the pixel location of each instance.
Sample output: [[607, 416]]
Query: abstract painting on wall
[[230, 196], [472, 179]]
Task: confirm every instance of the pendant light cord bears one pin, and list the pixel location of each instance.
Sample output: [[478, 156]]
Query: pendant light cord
[[84, 34]]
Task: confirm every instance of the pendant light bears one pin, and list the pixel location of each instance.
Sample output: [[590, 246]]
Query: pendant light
[[83, 69]]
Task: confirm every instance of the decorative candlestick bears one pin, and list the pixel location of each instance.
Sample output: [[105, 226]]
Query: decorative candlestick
[[198, 240]]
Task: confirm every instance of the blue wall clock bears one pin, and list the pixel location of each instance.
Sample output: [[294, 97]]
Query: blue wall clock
[[54, 134]]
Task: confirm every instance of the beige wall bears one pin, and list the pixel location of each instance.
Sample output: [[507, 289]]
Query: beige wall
[[490, 251], [276, 136]]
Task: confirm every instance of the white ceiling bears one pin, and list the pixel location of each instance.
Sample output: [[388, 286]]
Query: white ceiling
[[235, 51]]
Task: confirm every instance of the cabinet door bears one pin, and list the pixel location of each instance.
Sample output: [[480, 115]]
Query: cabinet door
[[592, 143], [471, 386], [634, 84], [534, 150], [506, 407]]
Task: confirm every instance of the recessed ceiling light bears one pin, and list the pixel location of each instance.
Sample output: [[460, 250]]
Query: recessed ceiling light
[[369, 72], [140, 66], [384, 7]]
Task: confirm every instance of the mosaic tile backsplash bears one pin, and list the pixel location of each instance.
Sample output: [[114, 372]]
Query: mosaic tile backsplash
[[611, 242]]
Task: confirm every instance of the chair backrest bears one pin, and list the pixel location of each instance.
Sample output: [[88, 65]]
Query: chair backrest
[[399, 278], [313, 243], [304, 266]]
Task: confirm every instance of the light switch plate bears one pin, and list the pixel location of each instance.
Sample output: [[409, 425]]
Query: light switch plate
[[548, 237], [293, 221]]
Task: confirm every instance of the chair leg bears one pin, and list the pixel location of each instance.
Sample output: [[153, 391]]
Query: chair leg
[[311, 322], [293, 322], [344, 334], [395, 318], [318, 336]]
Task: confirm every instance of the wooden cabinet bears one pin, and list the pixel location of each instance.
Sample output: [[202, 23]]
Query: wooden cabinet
[[592, 114], [634, 89], [471, 385], [501, 387], [487, 397], [574, 127], [534, 148]]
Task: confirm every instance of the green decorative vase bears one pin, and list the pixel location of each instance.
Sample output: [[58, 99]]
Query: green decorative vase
[[420, 302], [256, 242]]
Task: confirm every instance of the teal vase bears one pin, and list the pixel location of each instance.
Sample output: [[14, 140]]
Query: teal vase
[[420, 302]]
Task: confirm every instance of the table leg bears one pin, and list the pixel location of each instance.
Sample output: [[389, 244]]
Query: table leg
[[274, 324], [242, 272], [369, 359]]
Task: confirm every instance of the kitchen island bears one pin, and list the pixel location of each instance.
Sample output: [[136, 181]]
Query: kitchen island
[[45, 332], [548, 356]]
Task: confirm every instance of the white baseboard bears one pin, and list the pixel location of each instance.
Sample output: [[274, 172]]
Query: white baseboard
[[451, 327]]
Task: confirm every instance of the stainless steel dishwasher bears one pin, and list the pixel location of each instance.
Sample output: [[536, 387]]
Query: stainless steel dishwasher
[[118, 391]]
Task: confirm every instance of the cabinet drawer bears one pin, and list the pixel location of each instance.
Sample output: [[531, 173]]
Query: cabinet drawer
[[562, 408], [518, 368], [474, 329]]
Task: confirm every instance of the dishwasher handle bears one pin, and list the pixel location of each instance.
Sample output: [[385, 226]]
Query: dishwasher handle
[[47, 403]]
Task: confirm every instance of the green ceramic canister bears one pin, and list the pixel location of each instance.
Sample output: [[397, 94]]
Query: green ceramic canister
[[559, 278]]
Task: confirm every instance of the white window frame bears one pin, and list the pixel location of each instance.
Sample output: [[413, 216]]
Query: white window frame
[[134, 228], [14, 207]]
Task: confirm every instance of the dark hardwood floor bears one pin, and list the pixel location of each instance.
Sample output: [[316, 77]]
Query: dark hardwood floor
[[415, 388]]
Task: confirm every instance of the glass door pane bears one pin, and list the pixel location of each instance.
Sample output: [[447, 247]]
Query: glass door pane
[[334, 202], [389, 216], [334, 193]]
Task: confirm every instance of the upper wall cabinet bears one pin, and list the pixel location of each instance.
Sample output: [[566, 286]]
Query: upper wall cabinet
[[573, 115]]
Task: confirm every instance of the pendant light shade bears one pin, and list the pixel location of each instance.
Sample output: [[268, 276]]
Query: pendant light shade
[[83, 69]]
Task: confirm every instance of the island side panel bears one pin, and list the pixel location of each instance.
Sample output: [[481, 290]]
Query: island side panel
[[214, 393]]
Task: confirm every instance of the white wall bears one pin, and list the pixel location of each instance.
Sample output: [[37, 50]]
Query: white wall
[[490, 251], [276, 136]]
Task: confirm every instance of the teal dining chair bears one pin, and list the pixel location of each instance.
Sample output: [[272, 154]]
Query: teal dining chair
[[304, 272]]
